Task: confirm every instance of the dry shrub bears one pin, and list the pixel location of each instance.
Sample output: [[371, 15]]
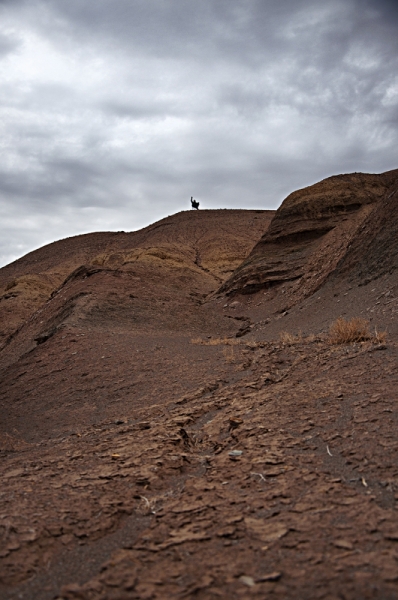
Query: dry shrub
[[312, 338], [288, 338], [216, 342], [346, 332], [380, 337]]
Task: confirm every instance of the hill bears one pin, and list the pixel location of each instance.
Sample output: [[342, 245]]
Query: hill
[[184, 412], [207, 245]]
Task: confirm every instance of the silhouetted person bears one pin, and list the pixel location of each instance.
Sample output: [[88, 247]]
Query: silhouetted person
[[194, 203]]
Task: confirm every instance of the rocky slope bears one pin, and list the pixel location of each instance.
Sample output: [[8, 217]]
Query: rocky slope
[[177, 423], [202, 245], [146, 288], [314, 230]]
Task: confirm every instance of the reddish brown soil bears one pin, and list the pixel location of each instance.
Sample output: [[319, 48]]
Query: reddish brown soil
[[160, 439], [205, 246]]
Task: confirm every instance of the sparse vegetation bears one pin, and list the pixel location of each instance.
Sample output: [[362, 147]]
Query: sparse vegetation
[[347, 332], [228, 343], [289, 339], [216, 342], [380, 337], [355, 330]]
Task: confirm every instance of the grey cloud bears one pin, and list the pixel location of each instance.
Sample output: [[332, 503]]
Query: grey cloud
[[118, 112], [387, 8], [8, 43], [246, 100], [136, 110], [203, 30]]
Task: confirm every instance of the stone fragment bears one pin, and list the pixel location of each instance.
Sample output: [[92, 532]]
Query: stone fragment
[[14, 473], [246, 580], [235, 453], [266, 531], [345, 544]]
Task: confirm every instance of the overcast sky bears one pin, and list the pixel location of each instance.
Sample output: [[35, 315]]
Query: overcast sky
[[113, 113]]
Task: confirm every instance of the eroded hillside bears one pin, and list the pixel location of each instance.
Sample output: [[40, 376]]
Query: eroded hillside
[[313, 231], [177, 420], [191, 251]]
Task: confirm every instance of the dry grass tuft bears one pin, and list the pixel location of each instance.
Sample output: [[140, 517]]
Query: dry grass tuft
[[216, 342], [347, 332], [289, 339], [380, 337], [313, 338]]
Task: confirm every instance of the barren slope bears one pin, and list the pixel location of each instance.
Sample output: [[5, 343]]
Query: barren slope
[[165, 438], [205, 244], [142, 292], [314, 229]]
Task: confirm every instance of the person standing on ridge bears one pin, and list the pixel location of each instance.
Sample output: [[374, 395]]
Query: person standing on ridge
[[194, 203]]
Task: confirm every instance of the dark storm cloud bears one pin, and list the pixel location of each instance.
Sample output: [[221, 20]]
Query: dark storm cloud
[[114, 112], [387, 8]]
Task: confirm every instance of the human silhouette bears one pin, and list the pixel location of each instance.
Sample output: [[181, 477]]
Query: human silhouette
[[194, 203]]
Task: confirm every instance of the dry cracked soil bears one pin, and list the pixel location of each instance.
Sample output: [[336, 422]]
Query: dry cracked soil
[[177, 420]]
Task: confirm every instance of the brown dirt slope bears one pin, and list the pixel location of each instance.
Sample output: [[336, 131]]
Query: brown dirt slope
[[163, 439], [374, 250], [313, 231], [141, 291], [212, 243]]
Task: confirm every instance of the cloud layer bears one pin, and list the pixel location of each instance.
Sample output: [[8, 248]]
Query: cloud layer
[[114, 112]]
